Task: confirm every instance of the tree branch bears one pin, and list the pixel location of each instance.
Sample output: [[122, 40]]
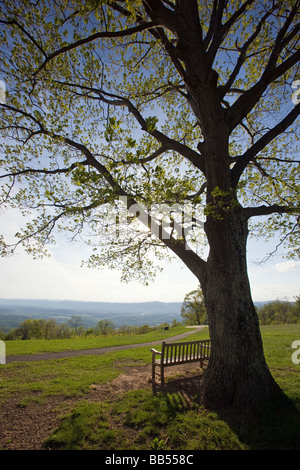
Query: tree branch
[[167, 143], [269, 255], [245, 103], [243, 161], [215, 19], [268, 210], [32, 39], [24, 113], [93, 37], [219, 31], [49, 226], [282, 160], [242, 57], [280, 41], [44, 172], [157, 153], [90, 159]]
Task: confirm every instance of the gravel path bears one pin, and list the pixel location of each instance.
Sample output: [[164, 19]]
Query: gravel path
[[95, 351]]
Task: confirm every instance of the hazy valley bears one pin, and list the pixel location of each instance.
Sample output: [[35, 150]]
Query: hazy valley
[[15, 311]]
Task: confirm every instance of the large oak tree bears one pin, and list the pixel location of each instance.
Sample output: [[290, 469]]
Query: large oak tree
[[159, 103]]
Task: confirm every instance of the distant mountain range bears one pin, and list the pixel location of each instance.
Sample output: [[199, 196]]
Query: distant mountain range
[[14, 311]]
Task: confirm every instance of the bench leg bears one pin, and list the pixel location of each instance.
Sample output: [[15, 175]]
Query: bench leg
[[153, 372], [162, 377]]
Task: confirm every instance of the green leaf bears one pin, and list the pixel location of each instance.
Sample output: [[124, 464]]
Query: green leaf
[[151, 122]]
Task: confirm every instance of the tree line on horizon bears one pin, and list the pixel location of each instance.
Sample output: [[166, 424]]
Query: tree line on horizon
[[277, 312], [51, 329]]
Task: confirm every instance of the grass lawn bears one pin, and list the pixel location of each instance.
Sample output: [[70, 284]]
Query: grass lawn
[[36, 346], [141, 419]]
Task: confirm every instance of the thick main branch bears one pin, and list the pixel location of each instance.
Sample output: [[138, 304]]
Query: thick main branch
[[271, 209]]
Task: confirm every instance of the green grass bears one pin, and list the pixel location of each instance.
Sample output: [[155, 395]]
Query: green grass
[[39, 346], [86, 427], [141, 419], [278, 352], [68, 377]]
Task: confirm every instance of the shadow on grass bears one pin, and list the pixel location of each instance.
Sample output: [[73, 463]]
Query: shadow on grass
[[275, 427]]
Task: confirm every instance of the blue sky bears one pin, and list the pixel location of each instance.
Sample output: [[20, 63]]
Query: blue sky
[[61, 277]]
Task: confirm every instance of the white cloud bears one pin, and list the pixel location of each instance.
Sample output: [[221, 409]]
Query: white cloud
[[52, 278], [287, 266]]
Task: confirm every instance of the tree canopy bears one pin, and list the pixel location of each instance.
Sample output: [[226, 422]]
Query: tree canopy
[[99, 109], [193, 309], [279, 312]]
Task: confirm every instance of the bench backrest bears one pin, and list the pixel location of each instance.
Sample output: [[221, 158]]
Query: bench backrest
[[173, 353]]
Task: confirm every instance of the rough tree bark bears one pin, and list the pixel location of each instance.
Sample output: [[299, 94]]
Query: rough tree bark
[[237, 373]]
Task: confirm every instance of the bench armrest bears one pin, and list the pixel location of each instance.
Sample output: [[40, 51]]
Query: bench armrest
[[155, 352]]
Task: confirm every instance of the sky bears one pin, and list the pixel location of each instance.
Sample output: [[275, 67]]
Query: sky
[[62, 277]]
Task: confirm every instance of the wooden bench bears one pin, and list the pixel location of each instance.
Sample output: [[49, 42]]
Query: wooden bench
[[172, 354]]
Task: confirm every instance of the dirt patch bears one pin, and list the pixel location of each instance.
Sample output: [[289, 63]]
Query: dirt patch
[[26, 426], [132, 378]]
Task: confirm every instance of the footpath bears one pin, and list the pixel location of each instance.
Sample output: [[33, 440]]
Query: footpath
[[94, 351]]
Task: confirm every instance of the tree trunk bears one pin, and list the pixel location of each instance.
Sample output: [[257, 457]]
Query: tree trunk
[[237, 373]]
